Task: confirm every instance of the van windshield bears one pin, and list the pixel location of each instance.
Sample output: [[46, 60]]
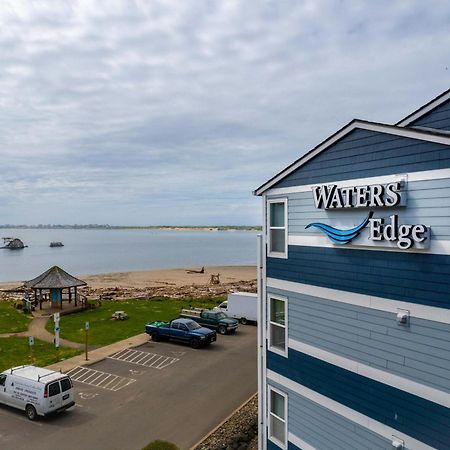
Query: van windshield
[[65, 384]]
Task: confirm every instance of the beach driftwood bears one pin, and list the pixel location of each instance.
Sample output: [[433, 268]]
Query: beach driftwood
[[202, 270], [215, 279]]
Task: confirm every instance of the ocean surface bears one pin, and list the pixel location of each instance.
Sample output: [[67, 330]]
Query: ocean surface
[[101, 251]]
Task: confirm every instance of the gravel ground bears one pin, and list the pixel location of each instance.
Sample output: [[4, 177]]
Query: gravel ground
[[239, 432]]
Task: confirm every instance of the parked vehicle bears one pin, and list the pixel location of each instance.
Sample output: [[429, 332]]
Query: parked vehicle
[[35, 390], [240, 305], [183, 330], [215, 320]]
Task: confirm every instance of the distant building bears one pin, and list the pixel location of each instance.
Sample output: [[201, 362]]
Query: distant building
[[355, 290]]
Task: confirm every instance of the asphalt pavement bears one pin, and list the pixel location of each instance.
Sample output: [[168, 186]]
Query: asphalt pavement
[[155, 391]]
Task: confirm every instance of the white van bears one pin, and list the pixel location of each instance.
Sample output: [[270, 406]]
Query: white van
[[36, 390], [240, 305]]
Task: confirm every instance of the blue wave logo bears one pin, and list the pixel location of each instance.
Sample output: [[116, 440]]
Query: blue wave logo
[[341, 236]]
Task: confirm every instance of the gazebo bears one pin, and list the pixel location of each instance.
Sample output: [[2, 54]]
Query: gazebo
[[57, 282]]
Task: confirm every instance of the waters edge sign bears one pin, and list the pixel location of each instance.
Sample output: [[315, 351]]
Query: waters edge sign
[[372, 231]]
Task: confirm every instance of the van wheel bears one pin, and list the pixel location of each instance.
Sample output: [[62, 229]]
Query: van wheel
[[30, 411], [243, 321], [156, 337], [222, 329]]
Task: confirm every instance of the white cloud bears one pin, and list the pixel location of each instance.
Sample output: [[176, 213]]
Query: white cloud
[[186, 106]]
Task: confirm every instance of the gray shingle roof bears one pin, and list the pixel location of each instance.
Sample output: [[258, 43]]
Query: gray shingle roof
[[54, 278]]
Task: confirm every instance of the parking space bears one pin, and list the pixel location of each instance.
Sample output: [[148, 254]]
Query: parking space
[[97, 378], [145, 359], [130, 391]]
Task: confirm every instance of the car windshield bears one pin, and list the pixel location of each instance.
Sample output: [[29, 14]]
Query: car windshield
[[221, 315], [193, 325]]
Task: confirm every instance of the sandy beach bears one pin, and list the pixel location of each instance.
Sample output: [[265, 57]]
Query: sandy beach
[[165, 282]]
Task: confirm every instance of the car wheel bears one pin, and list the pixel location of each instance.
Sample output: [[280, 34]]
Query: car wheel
[[195, 343], [30, 411], [222, 329], [156, 337], [244, 320]]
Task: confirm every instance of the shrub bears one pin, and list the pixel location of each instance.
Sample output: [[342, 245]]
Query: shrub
[[160, 445]]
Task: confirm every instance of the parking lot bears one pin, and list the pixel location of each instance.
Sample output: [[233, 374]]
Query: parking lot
[[156, 391]]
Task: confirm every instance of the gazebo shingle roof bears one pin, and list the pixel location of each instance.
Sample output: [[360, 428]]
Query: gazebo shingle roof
[[54, 278]]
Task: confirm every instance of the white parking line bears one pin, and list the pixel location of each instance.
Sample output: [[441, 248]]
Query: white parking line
[[144, 358], [114, 384]]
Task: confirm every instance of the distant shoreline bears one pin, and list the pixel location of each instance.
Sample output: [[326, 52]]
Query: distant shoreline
[[119, 227]]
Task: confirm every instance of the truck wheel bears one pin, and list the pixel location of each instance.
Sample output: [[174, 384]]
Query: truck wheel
[[244, 320], [195, 343], [30, 411], [156, 337], [222, 329]]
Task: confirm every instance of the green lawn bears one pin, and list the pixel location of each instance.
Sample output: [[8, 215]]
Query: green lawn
[[14, 351], [103, 330], [12, 320]]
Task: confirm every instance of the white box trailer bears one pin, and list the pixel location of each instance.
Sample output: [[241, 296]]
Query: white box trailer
[[242, 306], [36, 390]]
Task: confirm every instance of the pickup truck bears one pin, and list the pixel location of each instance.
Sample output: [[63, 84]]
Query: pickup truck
[[215, 320], [183, 330]]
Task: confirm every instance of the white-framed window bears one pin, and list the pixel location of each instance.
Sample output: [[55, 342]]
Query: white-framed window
[[277, 228], [278, 321], [277, 416]]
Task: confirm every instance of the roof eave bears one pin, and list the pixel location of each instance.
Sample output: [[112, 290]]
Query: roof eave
[[426, 135]]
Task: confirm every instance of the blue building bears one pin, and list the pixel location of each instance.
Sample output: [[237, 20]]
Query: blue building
[[354, 285]]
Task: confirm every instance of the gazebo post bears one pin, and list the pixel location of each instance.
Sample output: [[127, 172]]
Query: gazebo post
[[60, 298], [40, 298], [75, 296], [70, 295]]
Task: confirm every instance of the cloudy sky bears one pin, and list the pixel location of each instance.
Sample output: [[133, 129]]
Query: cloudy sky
[[172, 112]]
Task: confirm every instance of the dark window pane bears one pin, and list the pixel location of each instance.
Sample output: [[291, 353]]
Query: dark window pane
[[277, 214], [65, 384], [278, 337], [53, 389], [277, 311], [277, 241]]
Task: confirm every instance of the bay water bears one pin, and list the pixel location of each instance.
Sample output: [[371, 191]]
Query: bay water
[[92, 251]]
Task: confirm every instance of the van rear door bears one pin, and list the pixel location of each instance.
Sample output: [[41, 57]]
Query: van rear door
[[4, 395], [66, 391], [53, 393]]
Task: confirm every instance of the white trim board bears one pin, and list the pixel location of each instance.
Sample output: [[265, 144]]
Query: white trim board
[[344, 411], [425, 312], [425, 109], [436, 247], [300, 443], [396, 381], [424, 175], [354, 124]]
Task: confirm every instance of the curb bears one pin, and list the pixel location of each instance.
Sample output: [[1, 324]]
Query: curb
[[223, 421]]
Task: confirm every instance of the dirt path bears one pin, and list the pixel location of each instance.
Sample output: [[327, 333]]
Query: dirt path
[[36, 328]]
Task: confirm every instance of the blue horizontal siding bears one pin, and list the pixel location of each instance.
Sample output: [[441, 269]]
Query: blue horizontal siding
[[421, 419], [411, 277], [419, 352], [307, 420], [364, 153], [273, 446], [438, 118]]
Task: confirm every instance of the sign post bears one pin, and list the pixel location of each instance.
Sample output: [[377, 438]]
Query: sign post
[[86, 330], [56, 320], [30, 344]]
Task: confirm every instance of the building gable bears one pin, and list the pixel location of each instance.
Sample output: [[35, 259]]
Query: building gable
[[438, 118], [367, 153]]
